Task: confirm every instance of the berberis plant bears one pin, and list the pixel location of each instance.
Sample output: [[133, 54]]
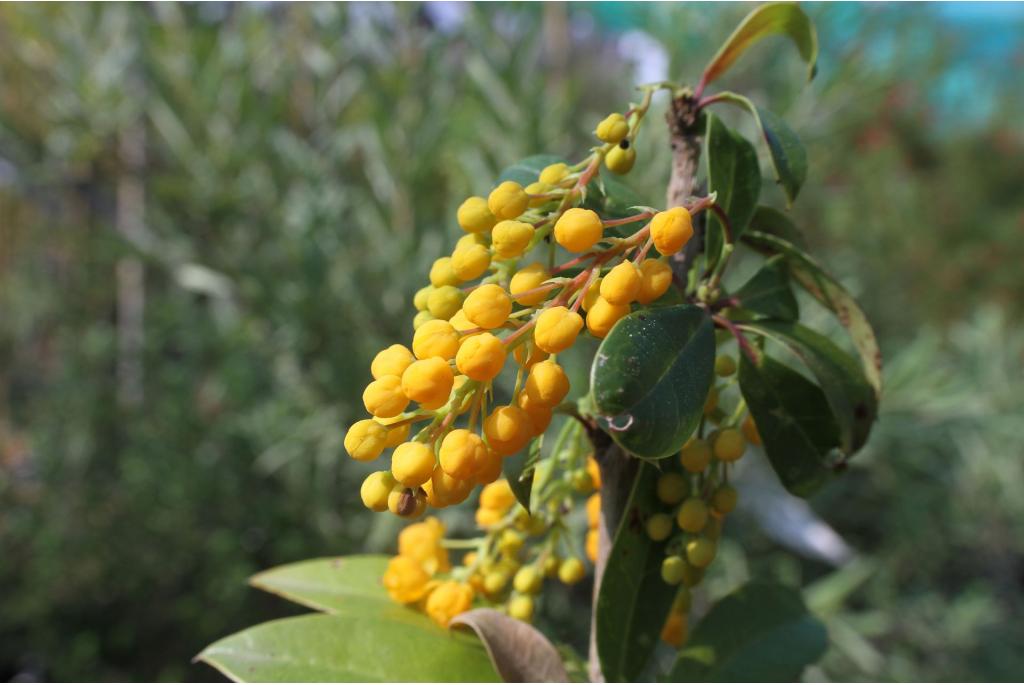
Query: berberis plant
[[688, 374]]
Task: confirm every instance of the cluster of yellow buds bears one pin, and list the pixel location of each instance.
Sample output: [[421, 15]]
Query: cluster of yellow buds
[[490, 302], [506, 568], [698, 500]]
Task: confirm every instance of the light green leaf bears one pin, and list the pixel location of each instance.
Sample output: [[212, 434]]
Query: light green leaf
[[827, 290], [797, 428], [768, 292], [789, 158], [847, 390], [357, 647], [336, 584], [735, 175], [650, 378], [761, 633], [769, 19], [633, 600]]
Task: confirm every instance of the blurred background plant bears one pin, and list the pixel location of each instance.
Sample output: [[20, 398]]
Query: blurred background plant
[[211, 216]]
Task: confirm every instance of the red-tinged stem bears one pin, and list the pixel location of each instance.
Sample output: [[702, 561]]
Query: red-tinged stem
[[710, 100], [628, 219], [508, 340], [535, 291], [642, 254], [724, 218], [586, 286], [744, 344]]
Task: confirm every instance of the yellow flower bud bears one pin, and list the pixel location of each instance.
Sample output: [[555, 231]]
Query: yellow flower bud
[[497, 496], [620, 285], [405, 580], [448, 600], [655, 280], [412, 463], [490, 470], [397, 435], [701, 552], [593, 540], [724, 499], [429, 382], [729, 445], [695, 455], [435, 339], [538, 188], [445, 301], [481, 357], [612, 128], [673, 569], [528, 580], [474, 216], [508, 200], [442, 273], [750, 432], [384, 397], [578, 229], [671, 230], [540, 414], [420, 299], [554, 173], [547, 383], [526, 279], [420, 319], [556, 329], [521, 608], [422, 542], [365, 440], [461, 454], [488, 306], [571, 571], [603, 315], [659, 527], [470, 262], [671, 488], [510, 238], [693, 515], [593, 292], [594, 510], [508, 429], [375, 490], [528, 354], [621, 158], [391, 361]]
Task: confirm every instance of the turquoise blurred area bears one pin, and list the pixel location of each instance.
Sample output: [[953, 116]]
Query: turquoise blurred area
[[213, 215]]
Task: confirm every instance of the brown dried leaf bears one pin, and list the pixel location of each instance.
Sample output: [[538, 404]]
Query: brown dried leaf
[[520, 653]]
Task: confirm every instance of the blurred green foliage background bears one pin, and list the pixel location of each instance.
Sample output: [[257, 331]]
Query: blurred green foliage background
[[211, 216]]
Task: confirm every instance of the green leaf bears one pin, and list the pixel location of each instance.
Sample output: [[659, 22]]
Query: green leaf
[[768, 292], [525, 171], [789, 158], [797, 428], [336, 584], [827, 290], [361, 646], [772, 18], [650, 378], [633, 601], [759, 633], [848, 392], [772, 221], [735, 175]]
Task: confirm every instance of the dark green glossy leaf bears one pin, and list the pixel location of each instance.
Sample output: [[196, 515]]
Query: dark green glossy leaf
[[789, 158], [633, 601], [525, 171], [735, 175], [769, 19], [848, 392], [797, 428], [650, 378], [768, 292], [827, 290], [356, 647], [772, 221], [761, 633]]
